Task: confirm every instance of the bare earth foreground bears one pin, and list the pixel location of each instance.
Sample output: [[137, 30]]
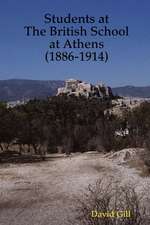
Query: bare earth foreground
[[46, 193]]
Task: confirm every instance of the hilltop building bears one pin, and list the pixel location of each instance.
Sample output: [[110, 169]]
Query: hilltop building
[[80, 88]]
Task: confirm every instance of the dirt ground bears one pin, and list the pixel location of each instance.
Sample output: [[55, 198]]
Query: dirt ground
[[47, 193]]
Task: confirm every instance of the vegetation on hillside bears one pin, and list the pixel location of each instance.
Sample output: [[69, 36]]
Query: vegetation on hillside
[[72, 124], [69, 122]]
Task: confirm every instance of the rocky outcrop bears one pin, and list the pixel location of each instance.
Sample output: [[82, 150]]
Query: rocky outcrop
[[80, 88]]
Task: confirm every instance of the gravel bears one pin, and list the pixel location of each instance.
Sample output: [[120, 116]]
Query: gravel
[[47, 193]]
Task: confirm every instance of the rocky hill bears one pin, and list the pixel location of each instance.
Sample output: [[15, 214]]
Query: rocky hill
[[17, 89], [81, 88]]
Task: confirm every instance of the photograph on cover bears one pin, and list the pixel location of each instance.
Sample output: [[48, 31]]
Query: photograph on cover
[[74, 112]]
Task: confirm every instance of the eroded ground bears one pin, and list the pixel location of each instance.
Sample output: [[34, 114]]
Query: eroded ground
[[47, 193]]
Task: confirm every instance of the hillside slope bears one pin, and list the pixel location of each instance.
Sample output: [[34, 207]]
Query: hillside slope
[[17, 89], [12, 90], [131, 91]]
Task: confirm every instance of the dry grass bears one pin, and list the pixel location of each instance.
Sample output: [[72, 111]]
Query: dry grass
[[45, 193], [140, 166], [106, 196]]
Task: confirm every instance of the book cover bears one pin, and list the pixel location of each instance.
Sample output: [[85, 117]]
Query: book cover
[[74, 112]]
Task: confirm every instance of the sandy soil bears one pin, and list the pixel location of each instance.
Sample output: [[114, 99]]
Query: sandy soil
[[46, 193]]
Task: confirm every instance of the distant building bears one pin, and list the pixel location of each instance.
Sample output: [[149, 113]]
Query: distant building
[[80, 88], [12, 104]]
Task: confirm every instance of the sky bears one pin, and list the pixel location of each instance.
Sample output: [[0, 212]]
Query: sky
[[22, 57]]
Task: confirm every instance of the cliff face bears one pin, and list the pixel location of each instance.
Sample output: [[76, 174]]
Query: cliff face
[[80, 88]]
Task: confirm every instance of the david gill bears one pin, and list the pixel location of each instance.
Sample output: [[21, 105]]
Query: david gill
[[111, 214]]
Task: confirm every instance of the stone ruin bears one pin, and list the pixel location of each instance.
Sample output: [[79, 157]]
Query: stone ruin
[[80, 88]]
